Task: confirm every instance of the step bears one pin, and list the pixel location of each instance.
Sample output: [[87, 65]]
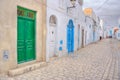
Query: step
[[22, 70]]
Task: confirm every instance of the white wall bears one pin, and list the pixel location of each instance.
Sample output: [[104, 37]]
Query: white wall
[[89, 22], [63, 16]]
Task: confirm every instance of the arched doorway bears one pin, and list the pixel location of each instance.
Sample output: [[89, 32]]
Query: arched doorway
[[70, 36], [52, 35]]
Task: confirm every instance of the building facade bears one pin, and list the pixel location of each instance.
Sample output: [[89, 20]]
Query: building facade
[[36, 30], [64, 25], [22, 33], [95, 23], [89, 25]]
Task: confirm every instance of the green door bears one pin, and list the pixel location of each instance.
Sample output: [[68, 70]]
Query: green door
[[30, 40], [25, 35], [21, 40]]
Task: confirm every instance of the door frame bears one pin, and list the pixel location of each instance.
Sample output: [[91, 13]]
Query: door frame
[[82, 38], [85, 37], [53, 24], [78, 36], [26, 15]]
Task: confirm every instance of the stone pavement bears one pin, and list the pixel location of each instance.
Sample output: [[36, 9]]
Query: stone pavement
[[98, 61]]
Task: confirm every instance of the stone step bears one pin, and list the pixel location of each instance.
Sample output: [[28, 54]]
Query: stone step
[[21, 70]]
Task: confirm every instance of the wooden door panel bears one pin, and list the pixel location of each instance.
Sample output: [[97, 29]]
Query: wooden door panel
[[29, 42], [20, 41]]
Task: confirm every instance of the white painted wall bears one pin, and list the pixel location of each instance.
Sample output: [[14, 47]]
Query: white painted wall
[[89, 22], [63, 16]]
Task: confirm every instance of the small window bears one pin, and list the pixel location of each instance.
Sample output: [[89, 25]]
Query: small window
[[53, 20], [20, 12]]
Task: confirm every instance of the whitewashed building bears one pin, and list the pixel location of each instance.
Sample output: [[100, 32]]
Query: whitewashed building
[[89, 26], [92, 26], [64, 25], [98, 28], [101, 28]]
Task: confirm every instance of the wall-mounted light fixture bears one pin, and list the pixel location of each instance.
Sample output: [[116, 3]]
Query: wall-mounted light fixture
[[73, 4]]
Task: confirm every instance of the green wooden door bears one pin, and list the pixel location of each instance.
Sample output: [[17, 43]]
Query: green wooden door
[[25, 35], [30, 40], [21, 40]]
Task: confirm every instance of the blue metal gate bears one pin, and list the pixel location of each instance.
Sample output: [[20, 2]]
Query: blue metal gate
[[70, 36]]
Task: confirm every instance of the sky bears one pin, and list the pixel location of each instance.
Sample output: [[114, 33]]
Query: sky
[[107, 10]]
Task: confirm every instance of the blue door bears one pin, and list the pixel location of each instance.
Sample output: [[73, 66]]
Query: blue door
[[70, 36]]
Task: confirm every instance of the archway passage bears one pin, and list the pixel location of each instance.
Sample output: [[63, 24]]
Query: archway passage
[[70, 36]]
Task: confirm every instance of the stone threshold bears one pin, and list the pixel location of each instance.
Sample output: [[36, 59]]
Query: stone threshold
[[25, 69]]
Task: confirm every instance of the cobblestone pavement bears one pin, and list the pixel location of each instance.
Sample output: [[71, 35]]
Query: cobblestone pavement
[[98, 61]]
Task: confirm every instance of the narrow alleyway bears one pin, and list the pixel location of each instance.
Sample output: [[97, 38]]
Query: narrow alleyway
[[97, 61]]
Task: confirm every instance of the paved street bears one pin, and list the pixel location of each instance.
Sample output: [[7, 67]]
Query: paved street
[[97, 61]]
